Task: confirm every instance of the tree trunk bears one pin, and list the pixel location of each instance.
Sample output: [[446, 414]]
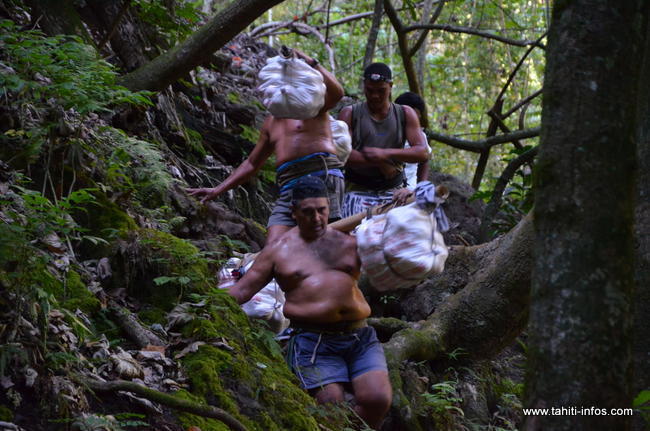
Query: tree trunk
[[57, 17], [372, 35], [641, 340], [402, 43], [580, 325], [116, 26], [168, 67]]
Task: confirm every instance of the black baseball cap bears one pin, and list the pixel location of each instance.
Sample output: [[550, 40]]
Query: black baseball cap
[[378, 72]]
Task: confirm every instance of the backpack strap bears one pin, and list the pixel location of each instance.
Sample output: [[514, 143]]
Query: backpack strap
[[401, 121]]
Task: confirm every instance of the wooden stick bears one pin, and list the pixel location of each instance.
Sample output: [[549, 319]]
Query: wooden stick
[[349, 223]]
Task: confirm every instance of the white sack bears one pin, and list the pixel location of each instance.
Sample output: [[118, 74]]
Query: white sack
[[266, 304], [291, 88], [341, 138], [400, 248]]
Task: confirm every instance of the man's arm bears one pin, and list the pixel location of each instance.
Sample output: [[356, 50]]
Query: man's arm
[[259, 275], [385, 156], [423, 167], [355, 158], [333, 89], [417, 153], [249, 167]]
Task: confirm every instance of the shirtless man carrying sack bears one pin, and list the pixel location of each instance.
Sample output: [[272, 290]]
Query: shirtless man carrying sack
[[317, 267], [301, 147]]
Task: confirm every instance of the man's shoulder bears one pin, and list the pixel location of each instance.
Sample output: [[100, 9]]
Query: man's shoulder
[[343, 238]]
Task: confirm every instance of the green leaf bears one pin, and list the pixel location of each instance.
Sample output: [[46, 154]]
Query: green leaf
[[163, 280], [641, 399]]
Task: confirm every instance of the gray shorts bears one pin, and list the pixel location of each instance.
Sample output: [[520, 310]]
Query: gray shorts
[[281, 214], [319, 359]]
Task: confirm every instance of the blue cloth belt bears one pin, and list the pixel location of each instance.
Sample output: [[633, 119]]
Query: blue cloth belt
[[335, 172]]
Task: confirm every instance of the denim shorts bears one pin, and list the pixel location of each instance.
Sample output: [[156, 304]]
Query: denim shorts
[[319, 359]]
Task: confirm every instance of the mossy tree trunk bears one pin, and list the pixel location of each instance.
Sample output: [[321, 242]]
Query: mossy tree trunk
[[195, 50], [641, 340], [580, 325]]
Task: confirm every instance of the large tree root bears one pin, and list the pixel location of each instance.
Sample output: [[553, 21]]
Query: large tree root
[[487, 314], [166, 399], [133, 328], [482, 318]]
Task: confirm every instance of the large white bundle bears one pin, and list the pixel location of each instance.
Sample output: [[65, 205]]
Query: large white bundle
[[291, 88], [342, 139], [266, 304], [400, 248]]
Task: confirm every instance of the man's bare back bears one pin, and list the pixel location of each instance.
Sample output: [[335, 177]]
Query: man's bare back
[[292, 139], [289, 139]]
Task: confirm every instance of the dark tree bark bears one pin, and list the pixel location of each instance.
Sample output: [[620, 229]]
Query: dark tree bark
[[580, 324], [56, 17], [641, 340], [168, 67], [372, 34], [115, 25]]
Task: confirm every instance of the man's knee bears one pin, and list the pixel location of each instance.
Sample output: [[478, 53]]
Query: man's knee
[[377, 400], [331, 393]]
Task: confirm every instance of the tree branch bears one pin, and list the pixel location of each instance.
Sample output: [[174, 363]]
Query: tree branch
[[407, 59], [497, 194], [372, 34], [521, 103], [480, 145], [425, 32], [170, 66], [472, 31], [163, 398], [519, 64]]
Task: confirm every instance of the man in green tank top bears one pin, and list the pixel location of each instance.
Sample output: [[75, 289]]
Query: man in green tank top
[[379, 129]]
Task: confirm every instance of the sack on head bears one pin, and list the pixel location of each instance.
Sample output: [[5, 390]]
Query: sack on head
[[291, 88]]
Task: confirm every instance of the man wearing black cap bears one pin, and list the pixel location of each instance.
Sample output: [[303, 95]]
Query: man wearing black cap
[[317, 267], [379, 129]]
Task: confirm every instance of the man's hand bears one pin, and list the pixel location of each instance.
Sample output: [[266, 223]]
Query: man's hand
[[301, 55], [206, 194], [400, 196], [376, 155]]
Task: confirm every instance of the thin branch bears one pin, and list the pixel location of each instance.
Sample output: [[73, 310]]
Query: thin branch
[[347, 19], [521, 103], [472, 31], [425, 32], [393, 17], [497, 194], [309, 29], [521, 62], [163, 398], [482, 144]]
